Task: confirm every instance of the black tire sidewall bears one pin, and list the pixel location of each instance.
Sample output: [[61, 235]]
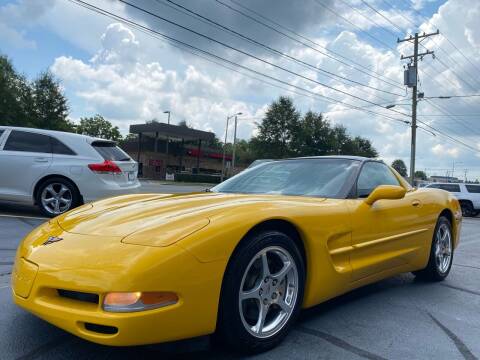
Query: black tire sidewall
[[432, 265], [231, 328], [71, 186]]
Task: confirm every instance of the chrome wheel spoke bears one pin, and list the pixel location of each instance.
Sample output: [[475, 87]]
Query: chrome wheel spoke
[[63, 190], [258, 328], [65, 201], [265, 268], [283, 305], [250, 294], [283, 272]]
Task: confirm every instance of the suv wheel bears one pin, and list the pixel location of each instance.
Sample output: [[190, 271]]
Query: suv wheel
[[467, 208], [56, 196]]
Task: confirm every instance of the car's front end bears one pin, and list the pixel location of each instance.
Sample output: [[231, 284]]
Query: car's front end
[[113, 291]]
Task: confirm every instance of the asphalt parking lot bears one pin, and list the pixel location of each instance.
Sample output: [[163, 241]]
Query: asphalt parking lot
[[399, 318]]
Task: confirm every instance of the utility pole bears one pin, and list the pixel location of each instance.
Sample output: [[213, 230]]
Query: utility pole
[[411, 80]]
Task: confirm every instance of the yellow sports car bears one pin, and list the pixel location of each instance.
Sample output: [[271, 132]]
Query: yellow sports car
[[239, 260]]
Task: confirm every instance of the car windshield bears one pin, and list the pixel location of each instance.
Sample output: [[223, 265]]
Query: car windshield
[[308, 177]]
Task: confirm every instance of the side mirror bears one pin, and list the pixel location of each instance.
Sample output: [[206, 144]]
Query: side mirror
[[387, 192]]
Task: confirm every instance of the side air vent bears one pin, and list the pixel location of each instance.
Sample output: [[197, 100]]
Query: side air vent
[[79, 296], [101, 329]]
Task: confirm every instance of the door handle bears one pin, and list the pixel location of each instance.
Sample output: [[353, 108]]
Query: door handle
[[41, 160], [416, 203]]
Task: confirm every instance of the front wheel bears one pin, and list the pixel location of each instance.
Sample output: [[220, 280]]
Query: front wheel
[[262, 292], [441, 253]]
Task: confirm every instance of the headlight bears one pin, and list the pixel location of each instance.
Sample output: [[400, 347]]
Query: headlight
[[137, 301]]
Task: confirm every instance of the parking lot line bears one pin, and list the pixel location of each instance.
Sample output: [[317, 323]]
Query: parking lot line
[[23, 217]]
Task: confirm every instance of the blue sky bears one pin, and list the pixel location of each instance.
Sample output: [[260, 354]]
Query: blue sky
[[129, 77]]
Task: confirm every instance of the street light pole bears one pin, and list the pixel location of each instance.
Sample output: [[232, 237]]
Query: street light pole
[[224, 148], [168, 122], [225, 144], [234, 145]]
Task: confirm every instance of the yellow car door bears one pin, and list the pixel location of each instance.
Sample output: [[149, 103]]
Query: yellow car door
[[388, 233]]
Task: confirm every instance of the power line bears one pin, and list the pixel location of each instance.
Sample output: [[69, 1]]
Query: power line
[[330, 74], [356, 26], [358, 66], [461, 53], [368, 19], [441, 133], [253, 56], [383, 16], [189, 46], [451, 96], [451, 116]]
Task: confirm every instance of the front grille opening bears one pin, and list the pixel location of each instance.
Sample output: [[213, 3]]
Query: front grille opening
[[79, 296], [102, 329]]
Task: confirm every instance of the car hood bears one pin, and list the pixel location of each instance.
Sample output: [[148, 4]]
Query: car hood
[[152, 219]]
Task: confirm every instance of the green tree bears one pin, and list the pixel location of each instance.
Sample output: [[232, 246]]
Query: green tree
[[15, 96], [400, 166], [50, 108], [183, 123], [97, 126], [359, 146], [277, 131], [419, 174], [313, 136]]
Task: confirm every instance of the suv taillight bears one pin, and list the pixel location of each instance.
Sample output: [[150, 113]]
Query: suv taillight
[[107, 167]]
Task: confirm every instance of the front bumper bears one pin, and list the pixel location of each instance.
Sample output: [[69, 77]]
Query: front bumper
[[35, 289]]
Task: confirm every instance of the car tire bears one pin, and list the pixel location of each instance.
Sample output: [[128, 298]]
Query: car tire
[[467, 209], [56, 196], [248, 291], [441, 253]]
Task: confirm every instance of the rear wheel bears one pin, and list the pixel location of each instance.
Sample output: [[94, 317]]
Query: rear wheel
[[262, 292], [467, 208], [441, 253], [56, 196]]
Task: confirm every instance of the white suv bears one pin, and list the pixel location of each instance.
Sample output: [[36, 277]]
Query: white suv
[[58, 171], [467, 194]]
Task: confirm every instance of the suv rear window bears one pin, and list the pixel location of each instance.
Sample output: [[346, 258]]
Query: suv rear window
[[110, 151], [60, 148], [450, 187], [473, 188]]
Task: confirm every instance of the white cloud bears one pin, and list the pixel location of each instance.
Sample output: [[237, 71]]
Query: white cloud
[[442, 150], [25, 12]]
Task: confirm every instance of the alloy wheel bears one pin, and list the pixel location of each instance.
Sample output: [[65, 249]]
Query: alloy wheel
[[268, 292], [443, 248], [56, 198]]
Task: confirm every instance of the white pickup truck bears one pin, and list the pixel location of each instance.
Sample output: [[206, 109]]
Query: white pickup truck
[[467, 194]]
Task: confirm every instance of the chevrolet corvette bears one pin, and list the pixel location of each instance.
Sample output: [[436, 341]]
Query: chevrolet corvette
[[238, 261]]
